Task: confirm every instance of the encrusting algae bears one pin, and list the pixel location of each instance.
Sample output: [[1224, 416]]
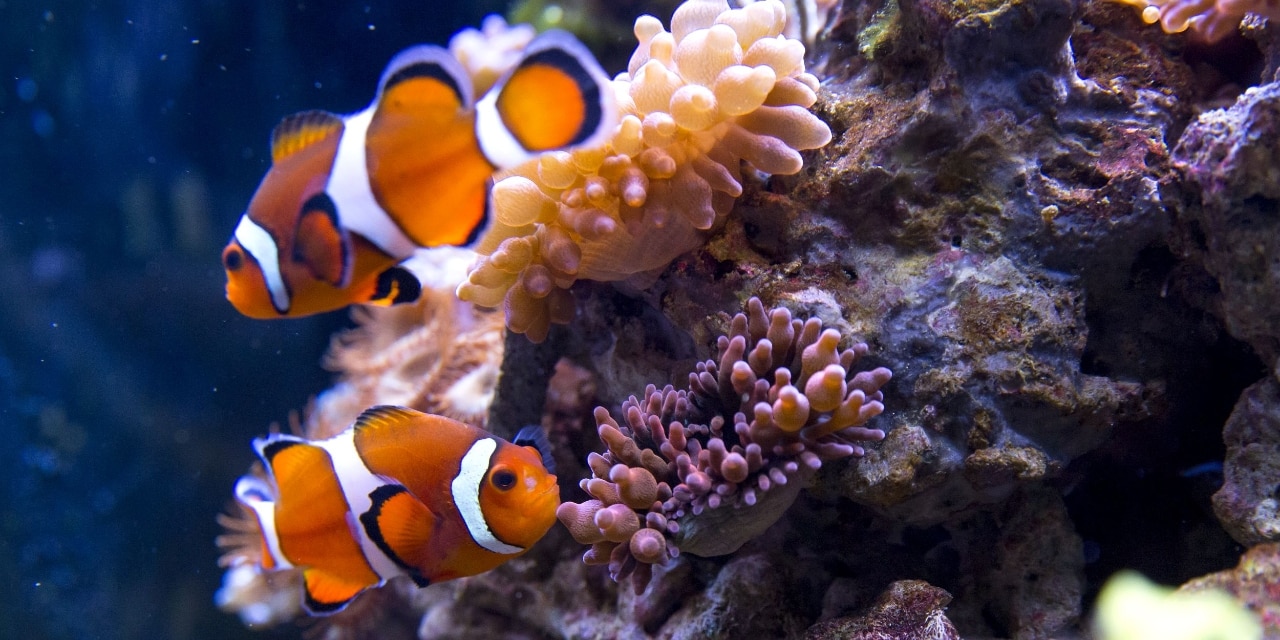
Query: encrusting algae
[[702, 471], [722, 87]]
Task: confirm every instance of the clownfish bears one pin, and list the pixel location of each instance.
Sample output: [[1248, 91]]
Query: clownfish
[[399, 493], [347, 198]]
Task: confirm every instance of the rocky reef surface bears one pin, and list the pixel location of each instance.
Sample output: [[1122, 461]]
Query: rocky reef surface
[[1058, 228]]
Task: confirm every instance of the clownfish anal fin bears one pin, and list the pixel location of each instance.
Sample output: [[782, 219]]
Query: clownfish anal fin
[[402, 527], [321, 243], [301, 130], [396, 285], [326, 593], [424, 77], [557, 96]]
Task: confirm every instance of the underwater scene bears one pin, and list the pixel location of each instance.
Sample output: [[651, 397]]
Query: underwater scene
[[821, 319]]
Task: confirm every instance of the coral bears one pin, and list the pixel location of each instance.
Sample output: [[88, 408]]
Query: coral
[[1132, 607], [488, 52], [1254, 581], [437, 355], [906, 609], [1212, 19], [704, 470], [722, 87]]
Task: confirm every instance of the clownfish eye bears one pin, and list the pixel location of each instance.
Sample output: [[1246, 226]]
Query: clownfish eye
[[503, 479], [232, 259]]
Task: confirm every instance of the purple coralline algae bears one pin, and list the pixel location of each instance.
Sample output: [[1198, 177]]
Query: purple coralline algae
[[705, 470], [1247, 504], [1231, 158]]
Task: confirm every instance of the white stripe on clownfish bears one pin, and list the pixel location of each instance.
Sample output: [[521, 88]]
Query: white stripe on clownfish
[[357, 484], [255, 494], [259, 244], [497, 143], [352, 195], [466, 496]]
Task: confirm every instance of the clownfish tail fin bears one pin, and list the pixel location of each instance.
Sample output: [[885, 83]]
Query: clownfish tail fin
[[534, 436], [254, 493], [425, 76], [557, 96]]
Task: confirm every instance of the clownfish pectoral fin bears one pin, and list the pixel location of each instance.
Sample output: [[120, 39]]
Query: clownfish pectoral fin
[[534, 436], [327, 593], [396, 285], [402, 528], [557, 96], [301, 130], [424, 78], [321, 243]]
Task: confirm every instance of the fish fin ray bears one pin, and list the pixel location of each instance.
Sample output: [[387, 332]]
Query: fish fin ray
[[396, 285], [327, 593], [424, 77], [534, 437], [301, 130], [384, 416], [557, 96], [402, 527], [321, 243]]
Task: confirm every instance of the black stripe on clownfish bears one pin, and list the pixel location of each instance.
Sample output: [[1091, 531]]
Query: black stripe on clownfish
[[348, 198], [399, 493]]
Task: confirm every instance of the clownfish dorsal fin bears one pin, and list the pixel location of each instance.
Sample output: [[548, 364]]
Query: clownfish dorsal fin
[[557, 96], [301, 130], [396, 285], [385, 416], [425, 77], [321, 243], [533, 436], [402, 527], [326, 592]]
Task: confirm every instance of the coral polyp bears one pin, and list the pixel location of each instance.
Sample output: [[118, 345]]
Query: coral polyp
[[1212, 19], [723, 87], [703, 471]]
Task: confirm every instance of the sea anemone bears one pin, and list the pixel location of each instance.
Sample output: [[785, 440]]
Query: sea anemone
[[702, 471], [1212, 19], [722, 87]]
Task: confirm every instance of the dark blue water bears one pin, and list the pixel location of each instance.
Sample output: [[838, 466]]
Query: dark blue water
[[133, 134]]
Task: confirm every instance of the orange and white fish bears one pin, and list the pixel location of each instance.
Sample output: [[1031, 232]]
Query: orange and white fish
[[348, 198], [401, 492]]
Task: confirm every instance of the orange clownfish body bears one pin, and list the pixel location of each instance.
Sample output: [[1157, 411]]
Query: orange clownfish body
[[348, 198], [399, 493]]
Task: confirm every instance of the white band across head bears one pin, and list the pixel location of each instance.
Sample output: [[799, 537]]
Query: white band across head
[[466, 496], [259, 244], [348, 187]]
